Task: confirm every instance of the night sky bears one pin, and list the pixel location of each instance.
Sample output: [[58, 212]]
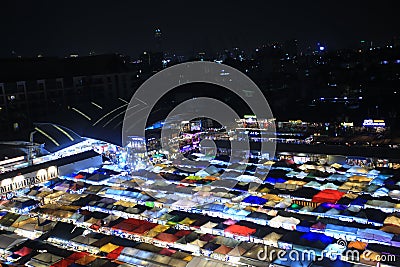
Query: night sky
[[59, 28]]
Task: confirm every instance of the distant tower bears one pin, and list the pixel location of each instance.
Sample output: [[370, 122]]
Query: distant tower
[[158, 39]]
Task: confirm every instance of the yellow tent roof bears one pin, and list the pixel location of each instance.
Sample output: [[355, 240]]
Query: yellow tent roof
[[269, 163], [160, 165], [295, 182], [392, 220], [193, 177], [336, 165], [272, 197], [187, 221], [126, 204], [360, 178], [156, 230], [264, 190], [188, 258], [251, 208], [108, 247], [92, 220], [19, 224]]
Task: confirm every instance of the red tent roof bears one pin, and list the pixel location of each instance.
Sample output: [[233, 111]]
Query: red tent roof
[[23, 251], [124, 227], [134, 221], [94, 227], [144, 228], [129, 225], [113, 255], [327, 195], [167, 252], [206, 237], [182, 233], [240, 230], [170, 238], [319, 226], [77, 255]]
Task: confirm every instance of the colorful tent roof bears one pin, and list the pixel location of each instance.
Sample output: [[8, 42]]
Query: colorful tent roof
[[255, 200], [240, 230], [357, 245], [108, 248], [115, 253], [223, 250], [86, 260], [77, 255], [392, 220], [327, 195], [318, 226], [170, 238], [23, 251], [167, 252]]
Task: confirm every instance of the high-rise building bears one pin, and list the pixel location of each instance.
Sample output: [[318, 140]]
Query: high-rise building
[[290, 47], [365, 45], [158, 39]]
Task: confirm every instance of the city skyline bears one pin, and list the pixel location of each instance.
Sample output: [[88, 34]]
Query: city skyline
[[129, 28]]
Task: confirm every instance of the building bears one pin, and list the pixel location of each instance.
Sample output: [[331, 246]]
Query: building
[[31, 89]]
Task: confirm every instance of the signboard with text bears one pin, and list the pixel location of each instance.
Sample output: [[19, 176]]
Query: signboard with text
[[374, 123], [23, 181]]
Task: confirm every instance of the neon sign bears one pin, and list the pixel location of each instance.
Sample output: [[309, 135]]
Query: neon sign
[[374, 123]]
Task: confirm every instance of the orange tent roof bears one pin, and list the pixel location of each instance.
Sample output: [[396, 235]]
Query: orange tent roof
[[223, 250], [77, 255], [357, 245], [86, 260], [240, 230]]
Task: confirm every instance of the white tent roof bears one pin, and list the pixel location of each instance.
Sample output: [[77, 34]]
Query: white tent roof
[[248, 179], [356, 169], [184, 203], [209, 225]]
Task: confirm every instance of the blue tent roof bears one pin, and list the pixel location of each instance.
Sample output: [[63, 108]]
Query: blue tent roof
[[216, 207], [340, 228], [313, 237], [272, 180], [255, 200], [359, 201]]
